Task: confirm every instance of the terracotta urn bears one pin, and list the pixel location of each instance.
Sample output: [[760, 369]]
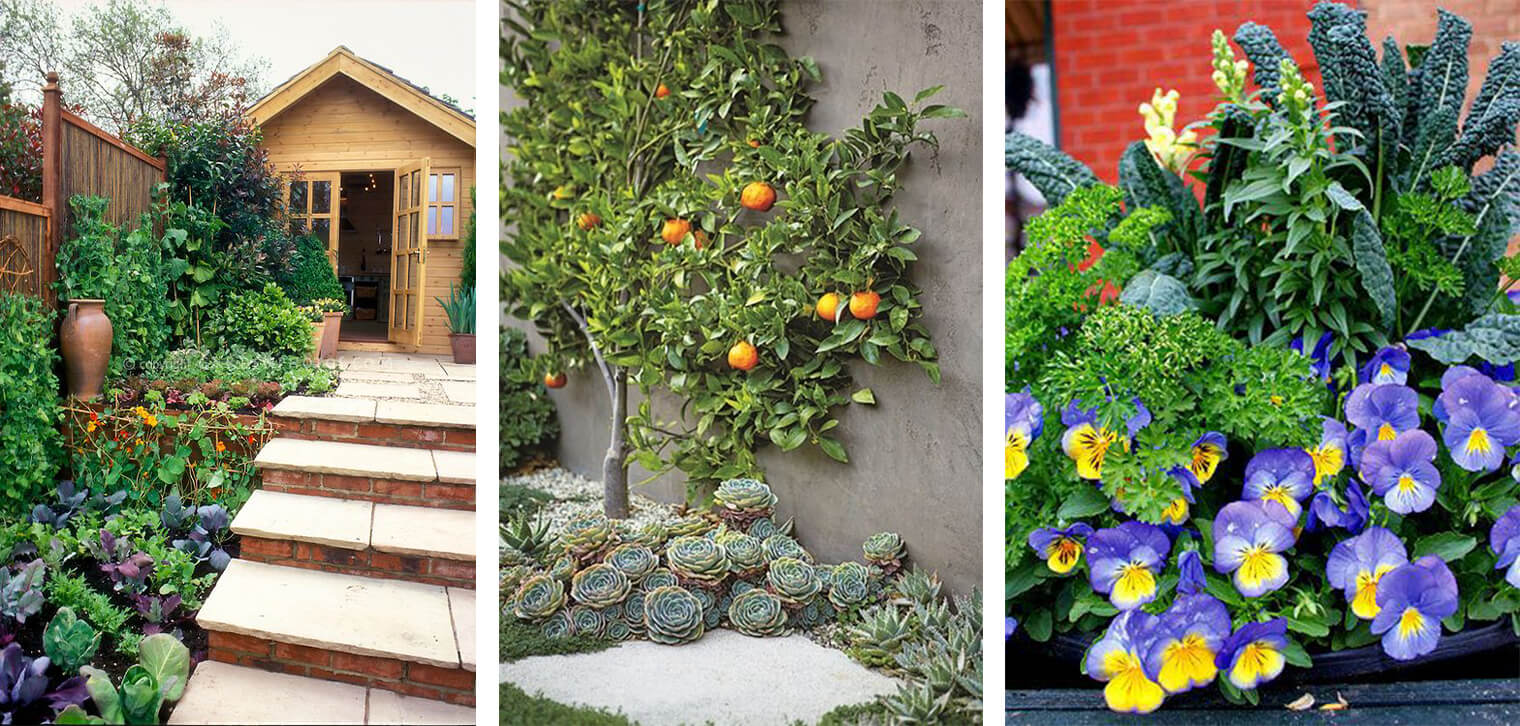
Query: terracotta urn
[[464, 347], [85, 337], [318, 329], [333, 324]]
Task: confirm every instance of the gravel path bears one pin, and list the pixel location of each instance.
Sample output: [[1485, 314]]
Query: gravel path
[[575, 495]]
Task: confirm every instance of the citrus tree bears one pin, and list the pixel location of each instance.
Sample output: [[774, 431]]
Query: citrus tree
[[673, 225]]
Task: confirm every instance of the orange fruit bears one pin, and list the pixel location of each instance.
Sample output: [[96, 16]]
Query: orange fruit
[[758, 196], [863, 304], [700, 237], [555, 380], [743, 356], [674, 230], [661, 91], [754, 143], [587, 220], [828, 306]]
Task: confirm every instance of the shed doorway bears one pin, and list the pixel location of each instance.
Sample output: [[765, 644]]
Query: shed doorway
[[364, 253]]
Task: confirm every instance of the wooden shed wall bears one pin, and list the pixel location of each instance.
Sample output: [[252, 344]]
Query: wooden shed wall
[[343, 126]]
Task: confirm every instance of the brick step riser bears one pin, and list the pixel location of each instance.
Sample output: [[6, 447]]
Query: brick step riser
[[365, 562], [454, 685], [412, 437], [383, 491]]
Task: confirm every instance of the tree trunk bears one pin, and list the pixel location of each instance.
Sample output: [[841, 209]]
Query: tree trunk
[[615, 465]]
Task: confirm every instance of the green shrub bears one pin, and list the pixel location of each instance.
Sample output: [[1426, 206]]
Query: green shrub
[[87, 261], [467, 256], [29, 440], [527, 415], [139, 308], [237, 363], [264, 320], [311, 276]]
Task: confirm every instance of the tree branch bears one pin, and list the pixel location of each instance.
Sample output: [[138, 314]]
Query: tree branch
[[601, 362]]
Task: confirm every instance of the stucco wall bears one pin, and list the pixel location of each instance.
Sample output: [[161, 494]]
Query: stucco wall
[[915, 459]]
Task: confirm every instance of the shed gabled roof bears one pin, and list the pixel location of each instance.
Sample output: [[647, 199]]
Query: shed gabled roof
[[381, 80]]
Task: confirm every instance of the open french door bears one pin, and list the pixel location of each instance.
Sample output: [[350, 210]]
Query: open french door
[[311, 198], [409, 255]]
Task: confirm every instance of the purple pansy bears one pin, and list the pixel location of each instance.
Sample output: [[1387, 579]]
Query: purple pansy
[[1388, 365], [1123, 562], [1356, 565], [1118, 658], [1383, 410], [1061, 548], [1330, 455], [1482, 418], [1010, 625], [1177, 513], [1402, 471], [1190, 578], [1023, 420], [1284, 477], [1253, 655], [1210, 449], [1412, 600], [1248, 539], [1323, 511], [1319, 358], [1504, 541], [1185, 642]]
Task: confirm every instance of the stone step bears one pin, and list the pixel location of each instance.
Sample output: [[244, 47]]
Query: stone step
[[387, 474], [221, 693], [366, 421], [406, 637], [356, 537]]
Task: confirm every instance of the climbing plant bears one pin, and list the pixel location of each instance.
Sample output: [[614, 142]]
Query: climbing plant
[[675, 226]]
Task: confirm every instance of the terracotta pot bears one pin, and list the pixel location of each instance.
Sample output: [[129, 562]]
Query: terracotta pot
[[464, 347], [317, 330], [333, 325], [86, 341]]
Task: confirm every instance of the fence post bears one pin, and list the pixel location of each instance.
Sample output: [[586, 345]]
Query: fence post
[[52, 185]]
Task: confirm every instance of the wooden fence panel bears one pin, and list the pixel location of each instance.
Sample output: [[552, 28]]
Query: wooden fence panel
[[23, 237]]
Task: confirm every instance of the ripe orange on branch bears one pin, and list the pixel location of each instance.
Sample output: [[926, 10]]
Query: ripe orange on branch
[[828, 306], [555, 380], [700, 238], [743, 356], [587, 220], [674, 230], [863, 304], [661, 91], [758, 196]]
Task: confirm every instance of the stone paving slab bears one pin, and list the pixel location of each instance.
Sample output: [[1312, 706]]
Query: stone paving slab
[[360, 389], [377, 376], [345, 613], [459, 392], [422, 365], [458, 371], [220, 693], [405, 413], [462, 605], [327, 521], [455, 467], [388, 707], [426, 531], [355, 410], [366, 460], [724, 677]]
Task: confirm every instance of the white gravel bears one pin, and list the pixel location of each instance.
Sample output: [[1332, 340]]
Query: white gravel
[[575, 495]]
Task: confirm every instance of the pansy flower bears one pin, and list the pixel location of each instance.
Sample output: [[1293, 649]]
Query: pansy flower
[[1248, 539], [1401, 471], [1319, 358], [1061, 548], [1330, 455], [1185, 643], [1388, 365], [1253, 655], [1412, 600], [1123, 562], [1023, 420], [1210, 449], [1284, 477], [1383, 410], [1085, 441], [1177, 512], [1357, 564], [1323, 510], [1482, 419], [1504, 541], [1118, 658], [1190, 577]]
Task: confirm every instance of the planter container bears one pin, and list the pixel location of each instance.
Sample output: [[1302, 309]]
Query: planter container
[[85, 338], [333, 324], [464, 347], [317, 331]]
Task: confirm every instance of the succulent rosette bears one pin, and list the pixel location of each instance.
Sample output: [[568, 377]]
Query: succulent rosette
[[849, 585], [1118, 659], [740, 501], [1284, 477], [1248, 539], [1403, 471], [1504, 541], [1358, 564], [660, 577], [777, 546], [885, 550], [587, 621], [1412, 600], [562, 568], [511, 556], [633, 610], [1253, 655], [746, 554], [651, 534], [538, 597], [587, 534], [513, 576], [598, 586], [633, 560], [1123, 562], [764, 527], [672, 616], [691, 525], [757, 613], [617, 629], [792, 580], [557, 625], [697, 560]]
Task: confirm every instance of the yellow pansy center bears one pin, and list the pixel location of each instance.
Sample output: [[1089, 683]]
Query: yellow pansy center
[[1411, 623], [1186, 662], [1258, 661], [1364, 605], [1386, 432], [1063, 554], [1478, 442], [1407, 484], [1386, 371], [1328, 461], [1015, 456], [1088, 446], [1177, 511], [1128, 689], [1259, 565], [1135, 584], [1205, 461]]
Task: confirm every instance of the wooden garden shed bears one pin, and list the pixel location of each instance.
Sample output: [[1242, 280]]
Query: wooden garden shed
[[381, 170]]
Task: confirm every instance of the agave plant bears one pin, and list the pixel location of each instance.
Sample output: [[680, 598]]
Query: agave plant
[[885, 550], [672, 616], [757, 613], [697, 560], [792, 580], [598, 586], [780, 545], [586, 621], [538, 597], [633, 560], [661, 577], [586, 535], [916, 704], [849, 585], [746, 555], [741, 501], [880, 635], [916, 586], [526, 533]]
